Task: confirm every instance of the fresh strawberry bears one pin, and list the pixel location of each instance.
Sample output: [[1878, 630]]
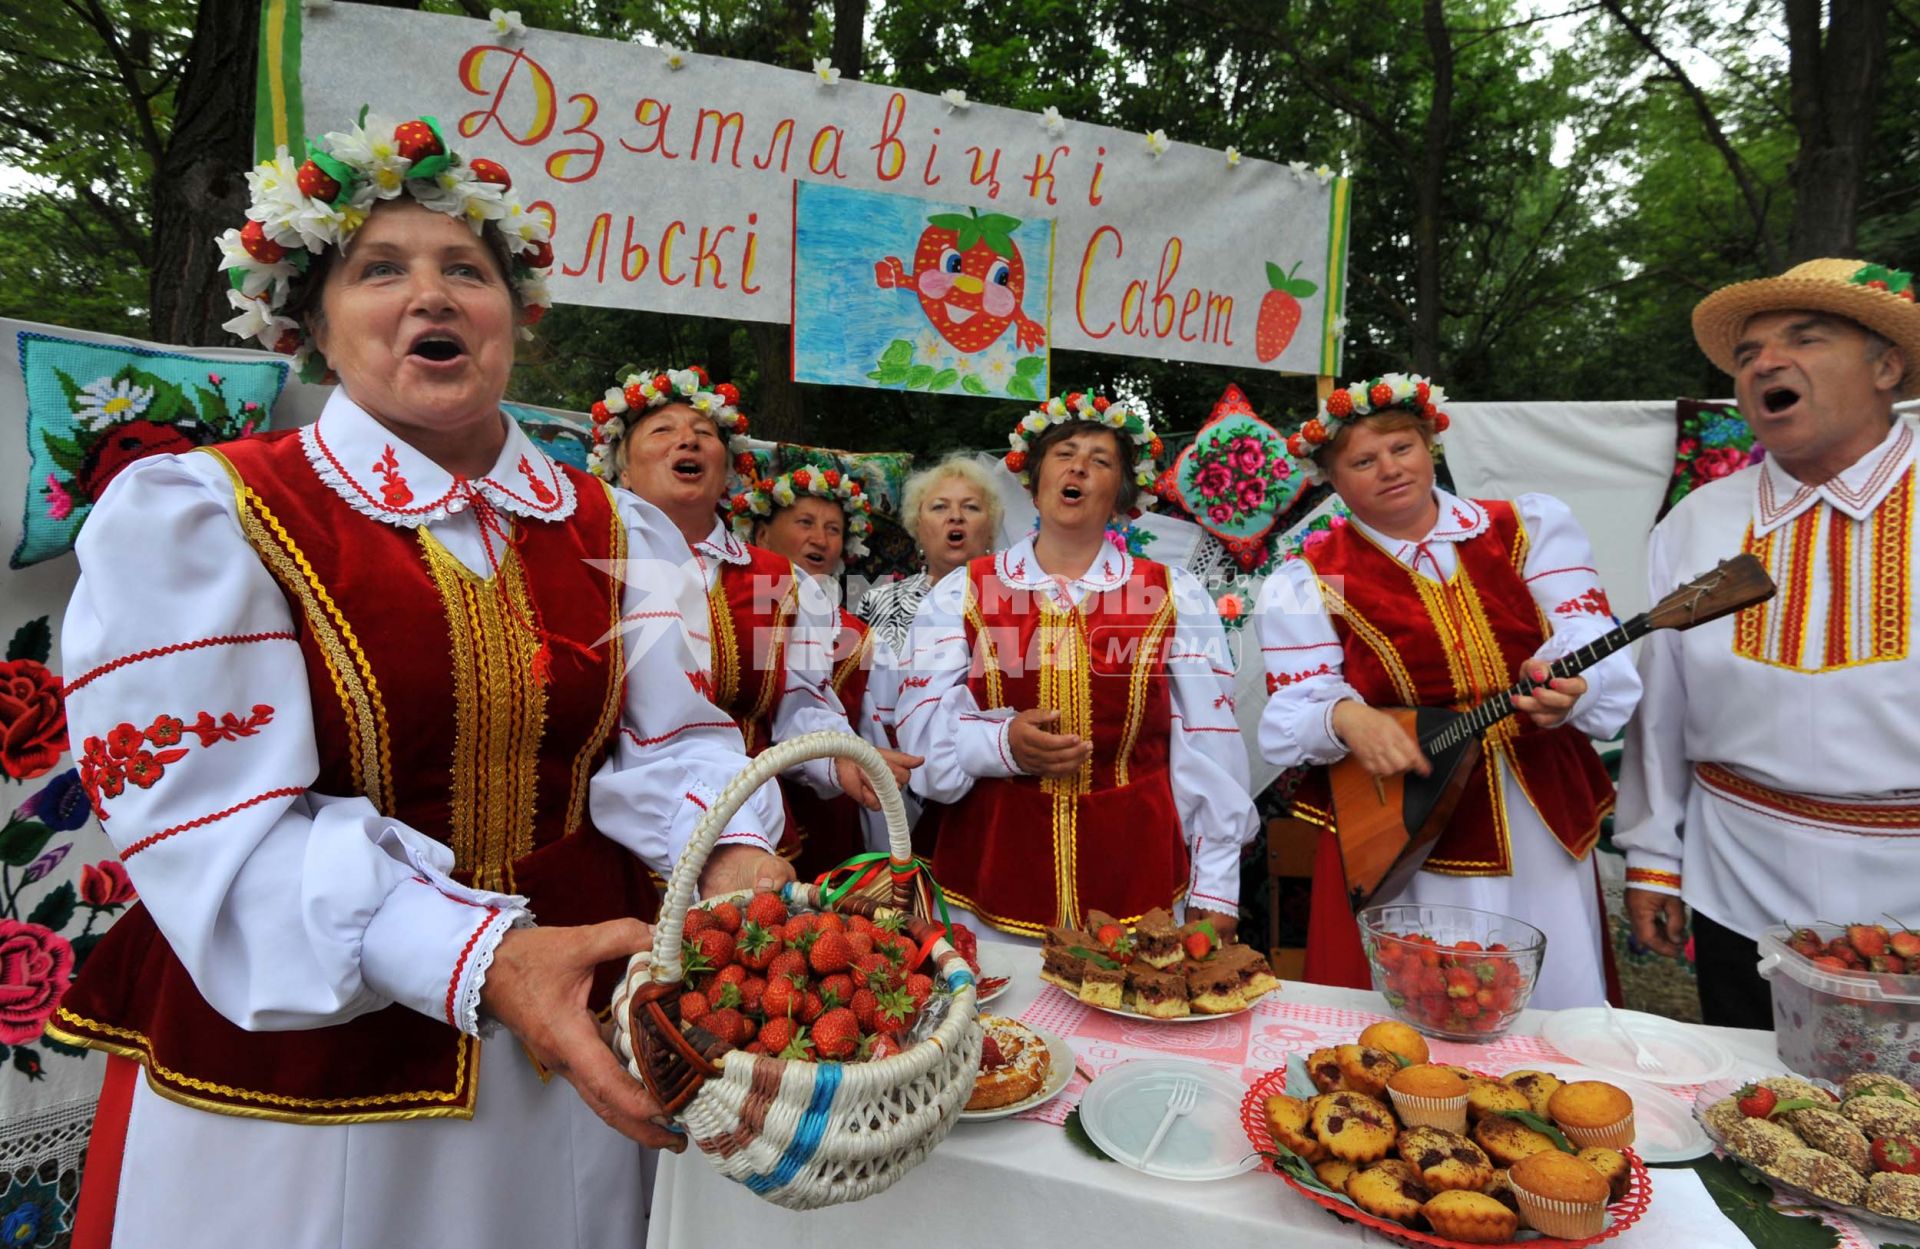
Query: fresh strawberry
[[758, 945], [1279, 311], [732, 973], [1887, 963], [1897, 1153], [919, 988], [859, 923], [1806, 943], [724, 995], [783, 996], [830, 953], [836, 989], [798, 924], [897, 949], [1831, 963], [1461, 983], [693, 1007], [832, 921], [698, 921], [836, 1033], [777, 1034], [767, 910], [1756, 1101], [811, 1007], [895, 1011], [885, 1045], [1114, 937], [1905, 943], [891, 921], [728, 1024], [753, 994], [1198, 945], [875, 971], [1867, 939], [787, 964], [861, 943], [726, 915], [865, 1005], [715, 946], [801, 940]]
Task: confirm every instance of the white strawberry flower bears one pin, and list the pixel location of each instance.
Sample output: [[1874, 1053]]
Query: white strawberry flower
[[1053, 121], [256, 278], [823, 70], [674, 57], [256, 320], [1055, 407], [1157, 143], [1298, 168], [370, 150], [955, 98], [484, 203], [1233, 155], [507, 24], [1324, 173], [273, 178], [615, 399], [783, 491], [533, 290]]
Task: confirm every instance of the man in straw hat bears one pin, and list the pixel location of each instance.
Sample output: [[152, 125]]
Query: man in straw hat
[[1771, 767]]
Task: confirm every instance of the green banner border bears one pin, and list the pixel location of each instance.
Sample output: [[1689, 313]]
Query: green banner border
[[1331, 343], [277, 113]]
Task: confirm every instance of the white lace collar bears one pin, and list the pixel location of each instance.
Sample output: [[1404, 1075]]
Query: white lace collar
[[723, 546], [382, 476], [1459, 520], [1856, 491], [1018, 568]]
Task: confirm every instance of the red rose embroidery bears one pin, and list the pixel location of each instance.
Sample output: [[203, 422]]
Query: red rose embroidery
[[539, 488], [107, 765], [1720, 462], [394, 490], [33, 719], [105, 884], [35, 965], [1593, 602], [134, 440]]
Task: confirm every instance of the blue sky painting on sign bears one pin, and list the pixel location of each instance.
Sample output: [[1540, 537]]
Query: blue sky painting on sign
[[912, 294]]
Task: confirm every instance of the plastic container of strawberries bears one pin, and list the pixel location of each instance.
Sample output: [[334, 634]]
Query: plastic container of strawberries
[[1829, 1023]]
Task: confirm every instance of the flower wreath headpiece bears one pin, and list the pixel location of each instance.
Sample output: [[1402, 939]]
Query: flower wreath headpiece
[[758, 501], [642, 391], [297, 212], [1408, 391], [1095, 410]]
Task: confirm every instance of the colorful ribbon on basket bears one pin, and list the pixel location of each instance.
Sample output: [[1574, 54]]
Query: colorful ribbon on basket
[[862, 870]]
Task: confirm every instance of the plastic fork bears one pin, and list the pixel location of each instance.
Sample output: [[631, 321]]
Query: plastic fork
[[1185, 1096], [1643, 1057]]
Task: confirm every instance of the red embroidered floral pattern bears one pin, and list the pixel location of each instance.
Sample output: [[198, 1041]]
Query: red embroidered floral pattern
[[108, 765], [1225, 700], [394, 490], [1020, 571], [1593, 602], [539, 488], [1276, 680], [702, 684], [914, 683], [1461, 519]]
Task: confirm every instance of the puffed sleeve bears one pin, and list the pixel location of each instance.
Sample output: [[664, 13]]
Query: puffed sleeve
[[675, 750], [1655, 776], [1561, 577], [189, 706], [1305, 665], [876, 726], [808, 703], [1207, 758], [935, 714]]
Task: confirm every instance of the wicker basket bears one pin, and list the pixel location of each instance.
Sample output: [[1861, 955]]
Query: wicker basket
[[800, 1134]]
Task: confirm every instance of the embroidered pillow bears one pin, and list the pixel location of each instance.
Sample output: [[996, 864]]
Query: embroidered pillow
[[565, 437], [94, 408], [1712, 441]]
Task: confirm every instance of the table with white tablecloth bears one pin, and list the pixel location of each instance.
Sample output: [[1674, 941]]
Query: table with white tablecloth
[[1020, 1181]]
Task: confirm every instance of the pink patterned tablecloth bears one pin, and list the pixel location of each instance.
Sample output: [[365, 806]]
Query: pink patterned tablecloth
[[1255, 1042]]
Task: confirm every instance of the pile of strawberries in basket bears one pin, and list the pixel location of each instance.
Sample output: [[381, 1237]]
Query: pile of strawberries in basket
[[812, 986]]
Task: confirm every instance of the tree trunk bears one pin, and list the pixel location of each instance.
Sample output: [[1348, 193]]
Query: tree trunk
[[1433, 170], [849, 36], [199, 186], [779, 414], [1834, 82]]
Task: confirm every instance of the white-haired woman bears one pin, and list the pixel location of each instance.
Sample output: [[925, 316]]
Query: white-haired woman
[[952, 511]]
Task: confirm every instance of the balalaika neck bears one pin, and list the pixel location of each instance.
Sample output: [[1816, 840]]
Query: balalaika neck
[[1500, 706]]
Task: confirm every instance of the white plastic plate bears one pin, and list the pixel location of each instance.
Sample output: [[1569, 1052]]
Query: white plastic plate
[[1688, 1055], [1124, 1104]]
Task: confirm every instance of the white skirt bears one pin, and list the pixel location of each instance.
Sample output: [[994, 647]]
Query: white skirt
[[533, 1166], [1548, 889]]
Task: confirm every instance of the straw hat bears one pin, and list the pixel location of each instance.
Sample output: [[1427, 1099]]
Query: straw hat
[[1873, 296]]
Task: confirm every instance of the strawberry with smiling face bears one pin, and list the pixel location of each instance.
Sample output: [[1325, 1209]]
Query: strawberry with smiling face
[[970, 278]]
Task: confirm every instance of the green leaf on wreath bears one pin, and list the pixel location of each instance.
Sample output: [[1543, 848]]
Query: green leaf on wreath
[[974, 386], [54, 910], [21, 842], [32, 640], [1077, 1135], [1748, 1207]]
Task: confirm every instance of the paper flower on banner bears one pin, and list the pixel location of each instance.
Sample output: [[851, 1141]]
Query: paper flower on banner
[[955, 98], [1052, 120], [1233, 155], [507, 23], [674, 57], [1298, 168], [823, 70], [1340, 323], [1324, 173], [1157, 143]]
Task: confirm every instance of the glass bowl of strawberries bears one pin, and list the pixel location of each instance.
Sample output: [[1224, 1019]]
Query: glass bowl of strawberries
[[1452, 971]]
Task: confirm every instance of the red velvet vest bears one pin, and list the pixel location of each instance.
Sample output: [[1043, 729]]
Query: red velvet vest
[[425, 703], [1412, 641], [751, 609], [829, 829], [1025, 853]]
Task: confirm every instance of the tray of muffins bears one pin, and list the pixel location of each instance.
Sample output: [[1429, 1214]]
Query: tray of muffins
[[1153, 969], [1432, 1154], [1853, 1147]]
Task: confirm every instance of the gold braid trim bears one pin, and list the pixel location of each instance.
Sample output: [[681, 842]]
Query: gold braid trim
[[163, 1080], [723, 643], [347, 664], [594, 750], [852, 664], [983, 640], [1145, 661], [1374, 640]]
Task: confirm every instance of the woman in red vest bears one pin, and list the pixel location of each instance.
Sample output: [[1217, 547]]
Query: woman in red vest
[[345, 695], [762, 632], [1074, 704], [1427, 599], [812, 516]]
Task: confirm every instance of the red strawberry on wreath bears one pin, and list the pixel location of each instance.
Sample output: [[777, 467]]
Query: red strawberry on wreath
[[971, 279], [1279, 311]]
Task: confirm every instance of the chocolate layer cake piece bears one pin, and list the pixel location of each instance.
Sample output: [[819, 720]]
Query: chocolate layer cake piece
[[1213, 988], [1256, 974], [1059, 965], [1156, 940], [1101, 985], [1160, 994]]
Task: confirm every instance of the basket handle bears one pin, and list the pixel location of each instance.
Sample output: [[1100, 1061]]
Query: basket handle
[[769, 763]]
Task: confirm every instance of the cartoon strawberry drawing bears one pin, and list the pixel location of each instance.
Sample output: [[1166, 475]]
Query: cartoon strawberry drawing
[[970, 278], [1279, 311]]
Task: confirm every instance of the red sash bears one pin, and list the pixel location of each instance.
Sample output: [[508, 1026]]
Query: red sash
[[1025, 853], [425, 703]]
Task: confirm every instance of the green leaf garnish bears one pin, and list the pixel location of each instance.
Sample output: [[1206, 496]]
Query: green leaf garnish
[[1541, 1126], [1797, 1103], [1077, 1134], [1093, 956], [1749, 1207], [1284, 1159]]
